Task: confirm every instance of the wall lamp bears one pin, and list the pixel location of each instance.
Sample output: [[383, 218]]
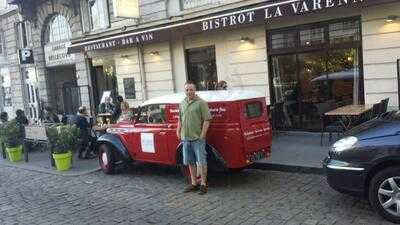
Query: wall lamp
[[246, 39], [391, 18], [152, 53]]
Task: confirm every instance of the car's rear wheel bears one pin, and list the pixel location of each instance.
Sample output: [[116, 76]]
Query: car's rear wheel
[[384, 193], [106, 159]]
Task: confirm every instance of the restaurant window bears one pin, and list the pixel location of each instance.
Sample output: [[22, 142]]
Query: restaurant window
[[313, 36], [321, 71], [346, 31], [283, 40], [2, 49], [129, 88], [202, 67], [99, 15]]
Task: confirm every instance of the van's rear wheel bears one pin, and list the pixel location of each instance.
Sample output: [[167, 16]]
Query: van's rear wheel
[[106, 159]]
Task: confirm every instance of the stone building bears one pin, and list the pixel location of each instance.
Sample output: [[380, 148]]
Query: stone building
[[300, 53]]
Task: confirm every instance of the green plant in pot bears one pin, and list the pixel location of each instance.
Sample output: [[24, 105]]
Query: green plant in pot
[[62, 141], [11, 134]]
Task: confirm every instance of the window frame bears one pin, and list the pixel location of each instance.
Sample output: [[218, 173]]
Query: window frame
[[253, 103], [327, 44]]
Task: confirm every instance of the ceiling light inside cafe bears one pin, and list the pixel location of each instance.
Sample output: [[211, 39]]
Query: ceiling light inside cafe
[[391, 18]]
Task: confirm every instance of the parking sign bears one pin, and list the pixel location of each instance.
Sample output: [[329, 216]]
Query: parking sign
[[25, 56]]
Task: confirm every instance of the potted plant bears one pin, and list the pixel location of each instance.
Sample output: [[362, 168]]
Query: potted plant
[[62, 141], [11, 134]]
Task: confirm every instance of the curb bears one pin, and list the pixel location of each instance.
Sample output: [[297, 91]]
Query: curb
[[50, 171], [288, 168]]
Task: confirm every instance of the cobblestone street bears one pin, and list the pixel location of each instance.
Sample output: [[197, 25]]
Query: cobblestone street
[[153, 195]]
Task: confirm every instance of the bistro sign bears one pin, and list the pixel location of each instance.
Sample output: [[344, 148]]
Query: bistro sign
[[287, 8], [256, 14]]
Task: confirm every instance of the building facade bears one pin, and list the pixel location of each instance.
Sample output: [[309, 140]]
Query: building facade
[[300, 53]]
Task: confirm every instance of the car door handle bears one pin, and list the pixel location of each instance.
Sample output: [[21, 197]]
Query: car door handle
[[163, 133]]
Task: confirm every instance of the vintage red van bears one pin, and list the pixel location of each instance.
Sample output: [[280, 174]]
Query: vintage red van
[[239, 132]]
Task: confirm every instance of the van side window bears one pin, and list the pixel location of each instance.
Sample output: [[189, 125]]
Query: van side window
[[152, 114], [253, 110]]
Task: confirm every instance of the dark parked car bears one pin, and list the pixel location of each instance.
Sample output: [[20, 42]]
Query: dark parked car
[[366, 162]]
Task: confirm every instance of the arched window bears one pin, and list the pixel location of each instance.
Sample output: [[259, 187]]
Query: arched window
[[59, 29]]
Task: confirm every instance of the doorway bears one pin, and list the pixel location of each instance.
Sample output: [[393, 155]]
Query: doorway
[[64, 91], [103, 79]]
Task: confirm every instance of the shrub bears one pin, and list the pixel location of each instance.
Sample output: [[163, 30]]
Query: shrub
[[62, 138], [11, 134]]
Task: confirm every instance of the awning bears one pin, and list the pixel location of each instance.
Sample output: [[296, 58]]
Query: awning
[[255, 14]]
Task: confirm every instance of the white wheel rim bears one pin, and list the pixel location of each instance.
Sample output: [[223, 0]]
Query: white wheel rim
[[389, 195], [104, 158]]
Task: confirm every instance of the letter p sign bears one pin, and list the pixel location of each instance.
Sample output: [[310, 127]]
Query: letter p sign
[[25, 56]]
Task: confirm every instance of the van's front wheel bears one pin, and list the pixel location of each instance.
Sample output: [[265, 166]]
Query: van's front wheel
[[106, 159]]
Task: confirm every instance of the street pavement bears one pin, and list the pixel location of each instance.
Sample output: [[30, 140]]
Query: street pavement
[[148, 194]]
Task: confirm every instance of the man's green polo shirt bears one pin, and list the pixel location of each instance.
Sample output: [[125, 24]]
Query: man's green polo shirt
[[192, 114]]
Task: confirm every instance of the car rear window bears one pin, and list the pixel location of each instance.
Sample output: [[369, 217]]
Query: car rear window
[[253, 110]]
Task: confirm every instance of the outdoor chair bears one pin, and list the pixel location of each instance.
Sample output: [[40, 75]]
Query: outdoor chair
[[384, 105], [329, 125], [376, 110]]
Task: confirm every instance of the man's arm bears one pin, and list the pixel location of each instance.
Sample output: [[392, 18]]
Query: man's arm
[[178, 130], [206, 125]]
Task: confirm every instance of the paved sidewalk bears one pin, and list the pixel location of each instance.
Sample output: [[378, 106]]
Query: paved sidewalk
[[296, 152], [291, 152], [39, 161]]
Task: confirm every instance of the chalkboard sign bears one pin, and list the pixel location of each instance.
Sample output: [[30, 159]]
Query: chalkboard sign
[[129, 88]]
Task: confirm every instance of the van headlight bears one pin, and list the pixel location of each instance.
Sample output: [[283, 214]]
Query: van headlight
[[344, 143]]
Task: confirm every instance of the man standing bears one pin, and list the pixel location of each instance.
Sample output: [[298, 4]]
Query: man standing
[[194, 120]]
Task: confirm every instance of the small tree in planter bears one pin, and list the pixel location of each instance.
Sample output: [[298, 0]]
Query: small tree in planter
[[62, 141], [12, 134]]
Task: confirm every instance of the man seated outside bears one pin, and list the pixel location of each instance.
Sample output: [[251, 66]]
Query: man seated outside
[[85, 140]]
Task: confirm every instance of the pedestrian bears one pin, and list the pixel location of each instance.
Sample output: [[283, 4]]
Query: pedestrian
[[50, 116], [3, 117], [222, 85], [193, 123], [21, 118], [107, 106], [126, 112], [117, 109], [85, 139]]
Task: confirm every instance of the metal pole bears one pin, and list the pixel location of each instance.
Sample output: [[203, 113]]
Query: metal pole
[[398, 83], [142, 72]]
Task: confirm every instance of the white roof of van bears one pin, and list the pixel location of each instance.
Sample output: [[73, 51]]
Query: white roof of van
[[208, 96]]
